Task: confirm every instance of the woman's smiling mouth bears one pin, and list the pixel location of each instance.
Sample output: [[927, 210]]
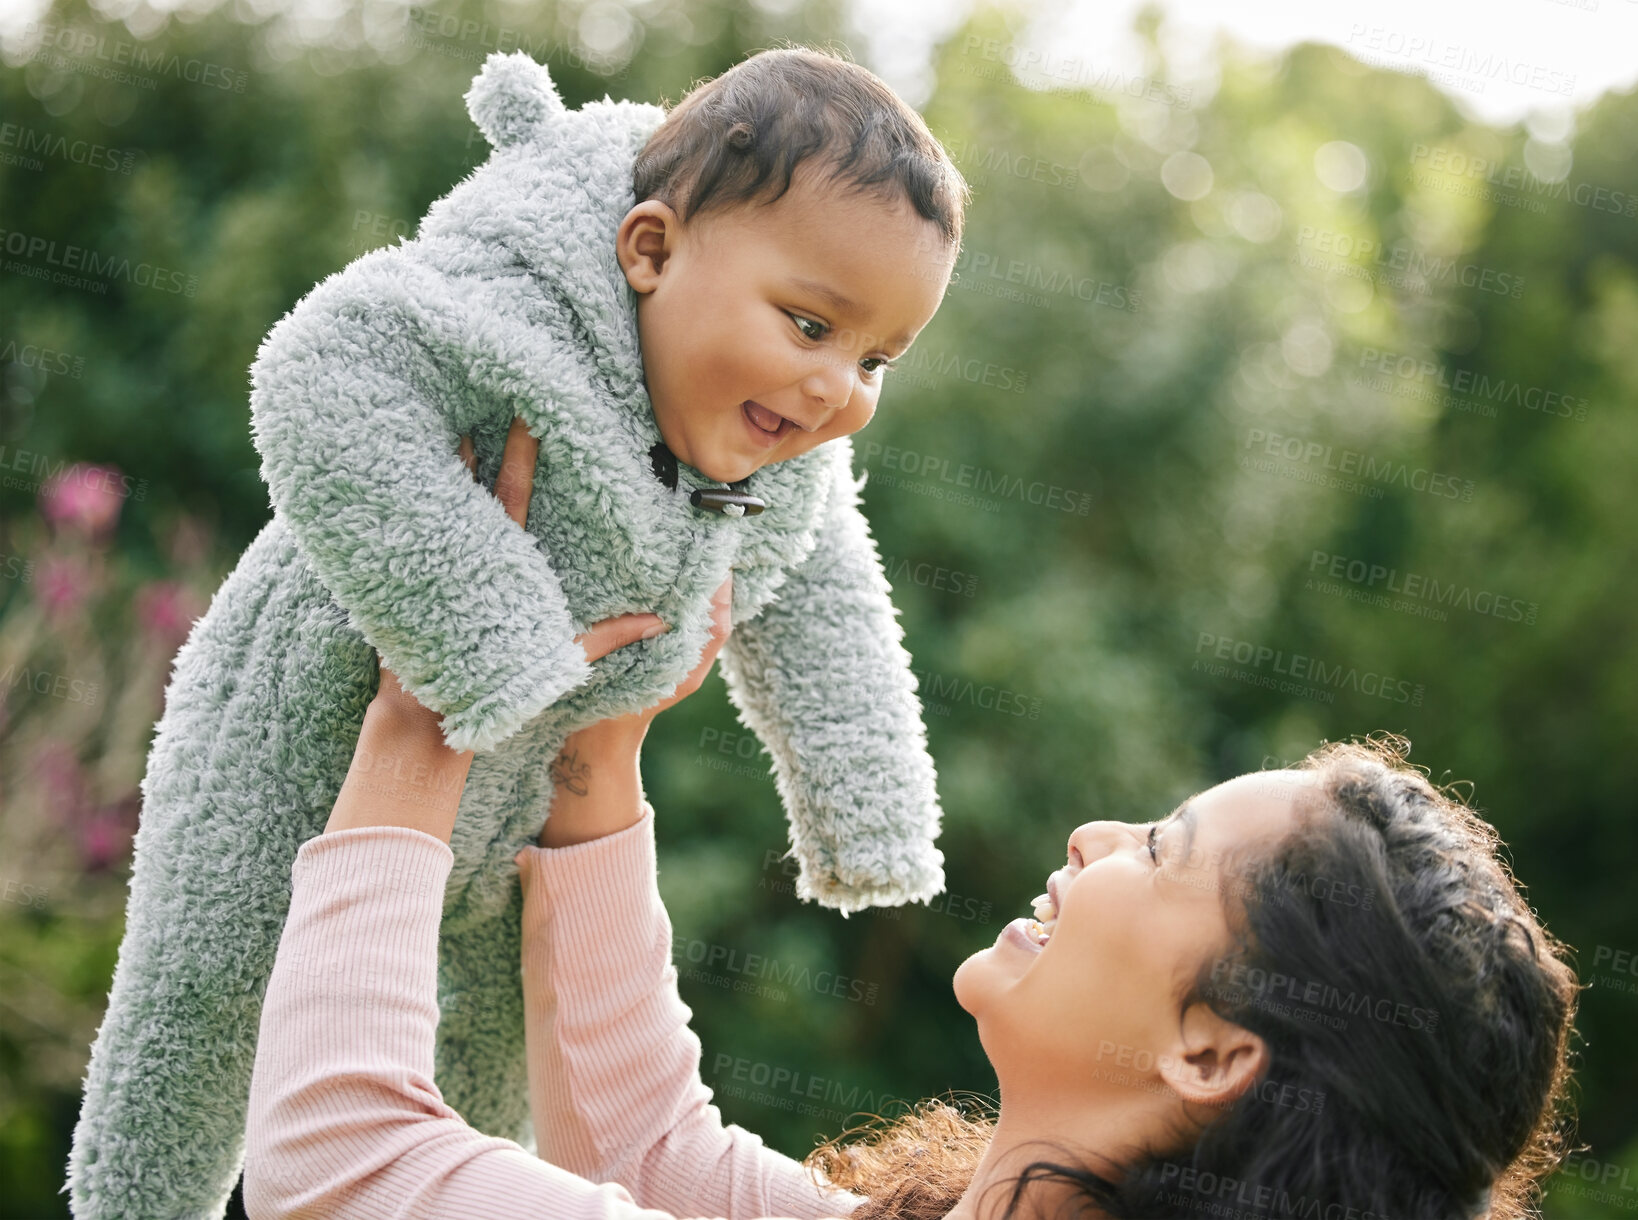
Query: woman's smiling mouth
[[1017, 933], [1033, 934]]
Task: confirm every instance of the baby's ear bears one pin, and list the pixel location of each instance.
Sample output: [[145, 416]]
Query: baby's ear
[[512, 100]]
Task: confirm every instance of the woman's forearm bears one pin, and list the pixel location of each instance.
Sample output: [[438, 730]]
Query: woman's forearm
[[597, 785], [402, 774], [614, 1071]]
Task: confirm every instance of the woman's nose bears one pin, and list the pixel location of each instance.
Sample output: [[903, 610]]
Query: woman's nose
[[1095, 840]]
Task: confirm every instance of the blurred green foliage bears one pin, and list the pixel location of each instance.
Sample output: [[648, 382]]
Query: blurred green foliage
[[1275, 336]]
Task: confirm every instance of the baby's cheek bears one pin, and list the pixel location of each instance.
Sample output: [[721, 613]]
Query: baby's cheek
[[856, 416]]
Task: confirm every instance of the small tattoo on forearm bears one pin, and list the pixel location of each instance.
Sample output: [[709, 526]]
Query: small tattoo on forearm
[[569, 772]]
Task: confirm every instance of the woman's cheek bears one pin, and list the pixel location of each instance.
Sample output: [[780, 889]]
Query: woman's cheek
[[1107, 921]]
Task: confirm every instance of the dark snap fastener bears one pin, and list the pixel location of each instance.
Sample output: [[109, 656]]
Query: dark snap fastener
[[724, 500]]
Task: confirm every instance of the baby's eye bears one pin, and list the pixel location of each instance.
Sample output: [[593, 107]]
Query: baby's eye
[[819, 328], [877, 363]]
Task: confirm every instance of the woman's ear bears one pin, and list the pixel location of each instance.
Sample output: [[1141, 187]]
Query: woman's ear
[[645, 242], [1215, 1060]]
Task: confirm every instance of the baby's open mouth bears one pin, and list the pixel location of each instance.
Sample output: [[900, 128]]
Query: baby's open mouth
[[765, 420]]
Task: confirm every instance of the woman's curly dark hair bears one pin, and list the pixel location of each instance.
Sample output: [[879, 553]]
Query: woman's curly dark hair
[[1417, 1015]]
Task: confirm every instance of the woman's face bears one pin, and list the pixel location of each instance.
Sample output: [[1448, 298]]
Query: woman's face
[[1097, 1010]]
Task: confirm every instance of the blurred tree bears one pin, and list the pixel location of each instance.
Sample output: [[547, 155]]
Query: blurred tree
[[1255, 416]]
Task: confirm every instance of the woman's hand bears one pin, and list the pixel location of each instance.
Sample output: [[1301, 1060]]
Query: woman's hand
[[514, 485], [597, 782], [635, 724], [402, 772]]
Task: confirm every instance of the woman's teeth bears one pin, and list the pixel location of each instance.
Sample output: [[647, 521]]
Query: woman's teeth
[[1045, 921]]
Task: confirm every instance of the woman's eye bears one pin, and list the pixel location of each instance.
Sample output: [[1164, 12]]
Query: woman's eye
[[818, 331], [1152, 856]]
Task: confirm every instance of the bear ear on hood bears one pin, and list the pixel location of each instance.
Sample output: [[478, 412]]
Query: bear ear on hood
[[513, 99]]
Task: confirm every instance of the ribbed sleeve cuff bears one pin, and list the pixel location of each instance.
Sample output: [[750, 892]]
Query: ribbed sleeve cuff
[[372, 861], [595, 948], [353, 992], [369, 906], [587, 884]]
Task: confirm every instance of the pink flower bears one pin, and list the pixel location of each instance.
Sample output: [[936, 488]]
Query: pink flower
[[105, 837], [61, 585], [166, 611], [62, 781], [84, 498]]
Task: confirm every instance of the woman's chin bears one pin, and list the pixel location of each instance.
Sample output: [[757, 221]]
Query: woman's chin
[[961, 984], [979, 978]]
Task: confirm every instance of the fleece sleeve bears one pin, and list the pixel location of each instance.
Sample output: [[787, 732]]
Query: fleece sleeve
[[357, 409], [614, 1070], [345, 1121], [821, 676]]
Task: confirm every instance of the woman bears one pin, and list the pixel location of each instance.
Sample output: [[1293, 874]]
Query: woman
[[1314, 992]]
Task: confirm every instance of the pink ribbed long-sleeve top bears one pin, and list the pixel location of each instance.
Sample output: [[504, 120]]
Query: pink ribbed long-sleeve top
[[345, 1120]]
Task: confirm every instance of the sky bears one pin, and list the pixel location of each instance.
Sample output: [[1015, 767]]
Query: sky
[[1502, 61]]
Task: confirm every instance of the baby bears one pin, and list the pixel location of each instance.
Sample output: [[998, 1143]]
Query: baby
[[691, 312]]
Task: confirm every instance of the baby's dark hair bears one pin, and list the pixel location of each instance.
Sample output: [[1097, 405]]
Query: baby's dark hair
[[738, 138]]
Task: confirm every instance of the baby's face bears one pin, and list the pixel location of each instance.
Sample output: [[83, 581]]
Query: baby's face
[[766, 328]]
